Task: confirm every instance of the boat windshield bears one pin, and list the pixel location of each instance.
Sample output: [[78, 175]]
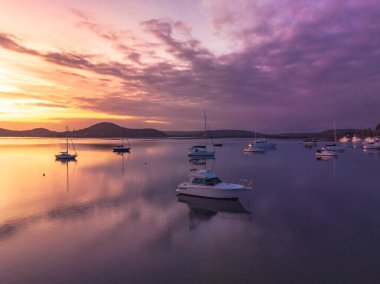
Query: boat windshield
[[213, 181], [207, 181]]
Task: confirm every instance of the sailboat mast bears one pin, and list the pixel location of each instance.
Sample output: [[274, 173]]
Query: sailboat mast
[[204, 114], [334, 131], [67, 139]]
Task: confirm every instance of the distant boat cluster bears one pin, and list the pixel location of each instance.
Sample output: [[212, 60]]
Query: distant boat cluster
[[368, 143]]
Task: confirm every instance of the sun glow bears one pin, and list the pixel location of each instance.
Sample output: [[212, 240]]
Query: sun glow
[[36, 110]]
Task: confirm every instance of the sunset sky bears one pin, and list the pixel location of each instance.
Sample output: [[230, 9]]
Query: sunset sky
[[272, 65]]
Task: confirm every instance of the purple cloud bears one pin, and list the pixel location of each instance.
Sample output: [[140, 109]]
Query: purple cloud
[[295, 67]]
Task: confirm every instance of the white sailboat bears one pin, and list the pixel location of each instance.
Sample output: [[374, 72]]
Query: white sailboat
[[201, 150], [334, 147], [356, 139], [323, 152], [65, 155], [122, 148]]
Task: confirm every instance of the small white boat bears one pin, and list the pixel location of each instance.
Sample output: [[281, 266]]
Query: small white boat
[[345, 139], [65, 155], [200, 151], [263, 143], [323, 152], [310, 142], [334, 147], [372, 146], [253, 148], [356, 139], [371, 140], [205, 183]]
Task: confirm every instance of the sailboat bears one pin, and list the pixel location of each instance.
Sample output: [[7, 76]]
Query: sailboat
[[252, 147], [334, 146], [65, 155], [122, 148], [201, 150]]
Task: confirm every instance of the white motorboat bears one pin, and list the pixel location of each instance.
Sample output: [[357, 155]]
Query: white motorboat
[[356, 139], [372, 146], [253, 148], [345, 139], [65, 155], [323, 152], [205, 183], [263, 143], [201, 150]]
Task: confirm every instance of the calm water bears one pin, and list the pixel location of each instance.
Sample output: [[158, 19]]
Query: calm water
[[110, 218]]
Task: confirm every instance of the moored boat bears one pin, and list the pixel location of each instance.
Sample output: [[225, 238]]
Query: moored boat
[[356, 139], [253, 148], [65, 155], [205, 183], [323, 152], [372, 146], [345, 139], [202, 150]]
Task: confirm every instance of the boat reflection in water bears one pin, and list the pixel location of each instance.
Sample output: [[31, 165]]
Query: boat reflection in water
[[372, 151], [326, 158], [203, 209], [67, 162], [202, 161]]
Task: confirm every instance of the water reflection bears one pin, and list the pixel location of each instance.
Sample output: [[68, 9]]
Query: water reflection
[[202, 163], [372, 151], [203, 209], [326, 158], [95, 217], [122, 159], [66, 164]]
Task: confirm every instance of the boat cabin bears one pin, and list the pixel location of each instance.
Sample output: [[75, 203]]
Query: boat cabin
[[204, 177]]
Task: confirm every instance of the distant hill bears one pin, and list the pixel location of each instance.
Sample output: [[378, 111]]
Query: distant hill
[[100, 130], [213, 134], [108, 130], [36, 132]]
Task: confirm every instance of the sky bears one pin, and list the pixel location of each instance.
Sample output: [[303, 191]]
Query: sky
[[268, 65]]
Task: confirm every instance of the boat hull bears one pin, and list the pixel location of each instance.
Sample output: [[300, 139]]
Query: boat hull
[[330, 154], [374, 146], [65, 157], [211, 191], [201, 154], [255, 149], [121, 150]]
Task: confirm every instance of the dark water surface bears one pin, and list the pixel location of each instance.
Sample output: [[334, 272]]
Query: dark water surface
[[110, 218]]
